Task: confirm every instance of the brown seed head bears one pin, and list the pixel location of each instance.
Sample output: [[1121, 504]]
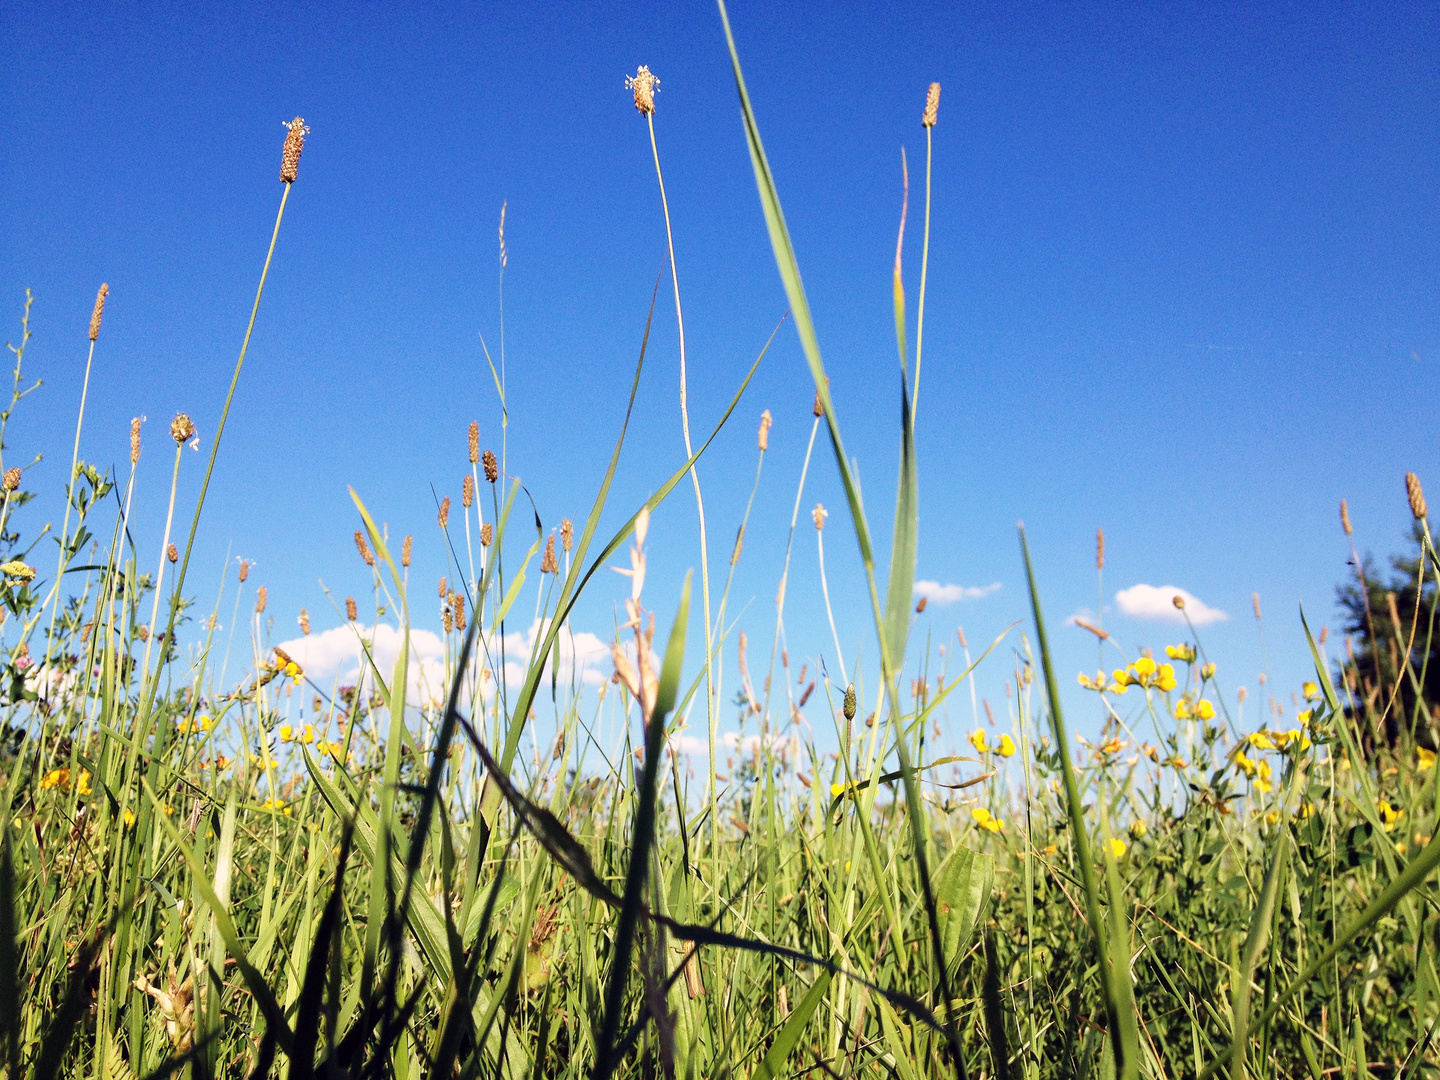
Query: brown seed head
[[739, 545], [1417, 495], [1099, 549], [99, 312], [920, 607], [1255, 600], [492, 467], [294, 144], [261, 599], [135, 440], [765, 421], [144, 633], [567, 534], [304, 622], [1242, 694], [932, 106], [1178, 601], [405, 551], [548, 565], [818, 515], [457, 608], [244, 569], [12, 479], [467, 491], [351, 611], [474, 443], [446, 620], [444, 589], [1345, 518], [445, 511], [364, 548], [172, 553], [486, 534], [644, 86], [181, 428]]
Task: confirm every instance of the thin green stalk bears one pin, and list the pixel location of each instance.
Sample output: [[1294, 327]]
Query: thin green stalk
[[711, 712], [219, 432]]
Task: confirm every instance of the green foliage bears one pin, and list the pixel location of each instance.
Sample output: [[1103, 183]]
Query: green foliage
[[256, 874]]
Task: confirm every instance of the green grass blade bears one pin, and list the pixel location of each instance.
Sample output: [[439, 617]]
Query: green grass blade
[[1080, 835], [641, 838], [772, 1065]]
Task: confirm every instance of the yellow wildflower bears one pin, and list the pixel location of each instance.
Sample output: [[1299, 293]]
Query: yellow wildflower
[[1138, 829], [1122, 681], [1114, 746], [978, 741], [1303, 716], [1099, 682], [55, 778], [1389, 815], [1116, 847], [1050, 850], [1204, 710], [82, 784], [308, 736], [1182, 709], [1425, 759], [1260, 740], [1262, 777], [287, 733], [1243, 763], [1272, 818], [1181, 652], [1295, 737], [1006, 747], [1208, 671], [1305, 810], [986, 820], [1310, 690], [128, 817], [17, 571], [1144, 667]]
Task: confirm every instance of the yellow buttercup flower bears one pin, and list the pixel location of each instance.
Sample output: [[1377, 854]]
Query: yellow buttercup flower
[[1310, 690], [55, 778], [978, 741], [1425, 759], [1260, 740], [1204, 710], [1006, 747], [1144, 667], [287, 733], [1116, 847], [986, 820]]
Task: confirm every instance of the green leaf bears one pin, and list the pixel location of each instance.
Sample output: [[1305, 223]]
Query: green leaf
[[962, 889]]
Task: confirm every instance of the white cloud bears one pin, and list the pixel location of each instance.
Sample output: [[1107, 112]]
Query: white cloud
[[732, 742], [936, 593], [334, 656], [1158, 605]]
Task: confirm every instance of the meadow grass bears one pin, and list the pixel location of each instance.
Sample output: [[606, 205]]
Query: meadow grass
[[194, 879]]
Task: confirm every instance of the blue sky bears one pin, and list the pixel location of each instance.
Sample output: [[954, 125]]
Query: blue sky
[[1182, 285]]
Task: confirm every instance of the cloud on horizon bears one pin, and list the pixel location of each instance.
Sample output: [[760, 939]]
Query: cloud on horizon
[[936, 593], [1157, 604]]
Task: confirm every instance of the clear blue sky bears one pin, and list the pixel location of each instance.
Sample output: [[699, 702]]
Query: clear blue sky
[[1182, 285]]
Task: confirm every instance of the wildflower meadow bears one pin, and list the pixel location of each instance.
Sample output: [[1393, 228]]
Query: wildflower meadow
[[217, 872]]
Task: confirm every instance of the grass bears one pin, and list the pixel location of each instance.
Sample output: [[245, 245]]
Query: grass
[[193, 880]]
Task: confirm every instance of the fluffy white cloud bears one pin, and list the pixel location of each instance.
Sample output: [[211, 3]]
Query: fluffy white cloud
[[1157, 604], [936, 593], [334, 657]]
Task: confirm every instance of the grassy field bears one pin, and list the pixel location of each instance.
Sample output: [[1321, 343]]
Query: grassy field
[[194, 879]]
